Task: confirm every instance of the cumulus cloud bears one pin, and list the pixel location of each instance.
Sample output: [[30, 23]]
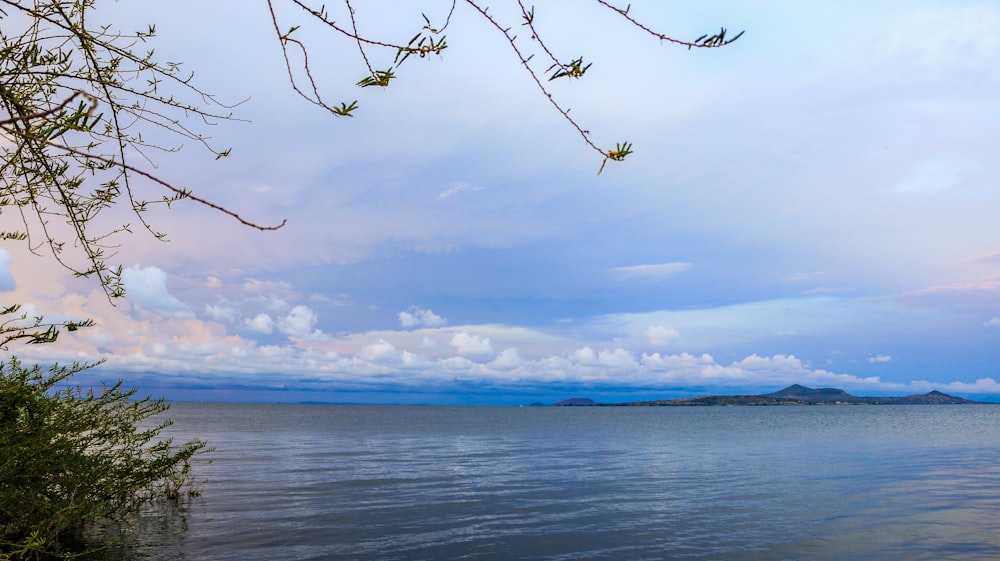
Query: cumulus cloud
[[657, 272], [981, 385], [753, 370], [419, 317], [879, 358], [381, 351], [261, 323], [146, 287], [507, 359], [471, 345], [993, 322], [299, 323]]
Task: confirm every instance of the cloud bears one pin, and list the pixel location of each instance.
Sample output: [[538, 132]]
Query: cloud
[[661, 335], [261, 323], [981, 385], [989, 258], [146, 287], [187, 352], [222, 312], [993, 322], [879, 359], [748, 322], [659, 271], [751, 371], [298, 324], [380, 352], [415, 317], [457, 188], [471, 345], [507, 359]]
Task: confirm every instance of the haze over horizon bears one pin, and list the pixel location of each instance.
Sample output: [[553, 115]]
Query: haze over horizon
[[815, 204]]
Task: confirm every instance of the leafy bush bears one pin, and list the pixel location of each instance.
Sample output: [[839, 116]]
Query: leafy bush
[[70, 458]]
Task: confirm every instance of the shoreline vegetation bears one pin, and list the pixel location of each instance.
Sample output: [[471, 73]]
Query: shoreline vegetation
[[790, 396]]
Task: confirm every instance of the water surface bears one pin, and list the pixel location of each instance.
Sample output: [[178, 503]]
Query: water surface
[[333, 482]]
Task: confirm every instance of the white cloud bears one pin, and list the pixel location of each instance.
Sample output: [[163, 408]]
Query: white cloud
[[146, 287], [299, 323], [261, 323], [585, 356], [380, 352], [993, 322], [416, 317], [879, 358], [471, 345], [221, 312], [617, 359], [659, 271], [507, 359], [661, 335], [982, 385]]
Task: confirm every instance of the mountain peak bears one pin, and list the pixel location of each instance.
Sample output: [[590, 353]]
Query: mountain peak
[[796, 391]]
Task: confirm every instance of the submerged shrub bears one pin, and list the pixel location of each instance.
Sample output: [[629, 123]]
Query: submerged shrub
[[71, 457]]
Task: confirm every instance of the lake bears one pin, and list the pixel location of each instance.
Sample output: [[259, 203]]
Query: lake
[[815, 483]]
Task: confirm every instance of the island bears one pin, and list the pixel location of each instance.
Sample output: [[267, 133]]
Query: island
[[792, 395]]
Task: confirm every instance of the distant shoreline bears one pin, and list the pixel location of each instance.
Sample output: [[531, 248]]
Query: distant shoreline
[[794, 395]]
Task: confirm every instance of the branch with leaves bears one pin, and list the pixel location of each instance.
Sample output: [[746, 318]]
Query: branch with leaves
[[429, 39], [78, 105]]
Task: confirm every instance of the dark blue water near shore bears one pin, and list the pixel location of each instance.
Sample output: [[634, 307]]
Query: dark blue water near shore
[[412, 483]]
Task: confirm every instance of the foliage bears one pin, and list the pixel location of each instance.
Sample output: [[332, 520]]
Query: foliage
[[69, 457], [82, 104]]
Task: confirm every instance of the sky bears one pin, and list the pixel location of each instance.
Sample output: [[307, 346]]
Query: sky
[[815, 203]]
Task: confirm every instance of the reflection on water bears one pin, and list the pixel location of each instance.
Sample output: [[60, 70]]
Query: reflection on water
[[352, 482]]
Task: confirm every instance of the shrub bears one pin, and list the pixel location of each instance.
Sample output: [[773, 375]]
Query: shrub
[[71, 457]]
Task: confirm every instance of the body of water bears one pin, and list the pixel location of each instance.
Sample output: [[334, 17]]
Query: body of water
[[901, 483]]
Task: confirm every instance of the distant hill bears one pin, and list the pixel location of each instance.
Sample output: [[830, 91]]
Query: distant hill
[[801, 395], [576, 402], [796, 391]]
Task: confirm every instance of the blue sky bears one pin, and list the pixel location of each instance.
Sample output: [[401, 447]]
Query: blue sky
[[813, 204]]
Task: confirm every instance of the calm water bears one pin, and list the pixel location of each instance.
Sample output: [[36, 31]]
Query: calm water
[[744, 483]]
